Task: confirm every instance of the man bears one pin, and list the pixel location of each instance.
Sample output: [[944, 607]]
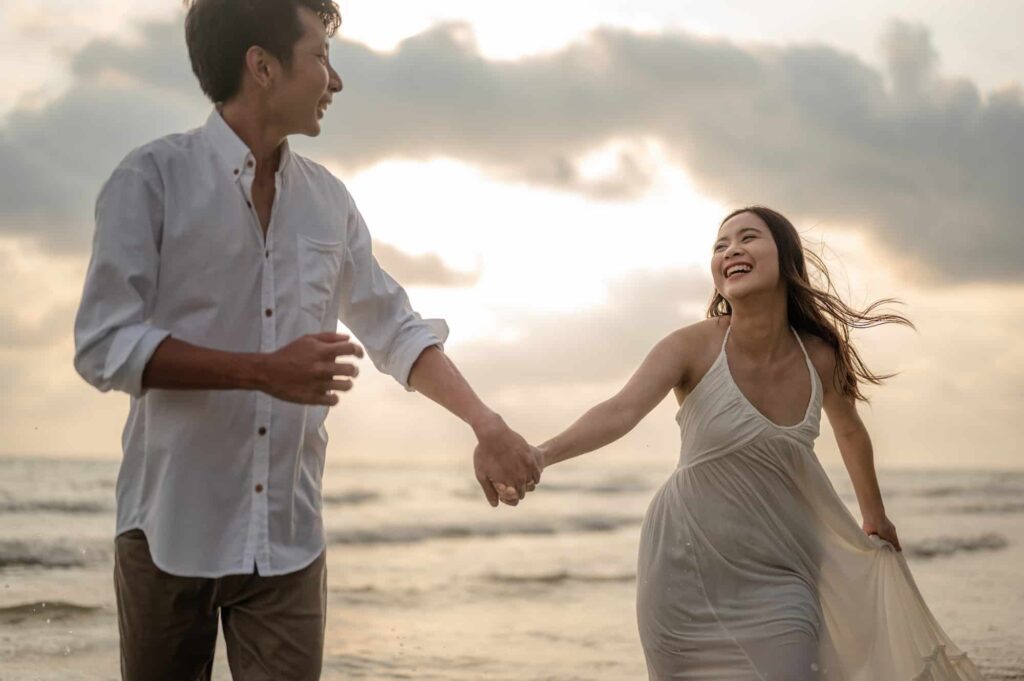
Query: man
[[221, 262]]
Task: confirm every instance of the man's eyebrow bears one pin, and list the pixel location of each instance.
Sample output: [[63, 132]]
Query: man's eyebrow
[[744, 229]]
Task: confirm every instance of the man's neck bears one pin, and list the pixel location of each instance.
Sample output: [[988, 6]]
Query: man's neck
[[251, 126]]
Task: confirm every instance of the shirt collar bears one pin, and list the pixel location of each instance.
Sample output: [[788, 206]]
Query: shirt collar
[[232, 149]]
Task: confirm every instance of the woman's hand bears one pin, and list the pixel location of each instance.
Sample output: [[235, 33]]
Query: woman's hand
[[508, 495], [881, 525]]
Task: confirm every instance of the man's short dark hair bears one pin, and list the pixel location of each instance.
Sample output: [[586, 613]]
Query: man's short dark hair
[[220, 32]]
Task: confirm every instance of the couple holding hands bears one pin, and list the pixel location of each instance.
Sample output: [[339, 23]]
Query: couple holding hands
[[221, 263]]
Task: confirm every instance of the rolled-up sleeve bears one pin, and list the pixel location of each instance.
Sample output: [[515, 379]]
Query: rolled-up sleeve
[[113, 337], [377, 308]]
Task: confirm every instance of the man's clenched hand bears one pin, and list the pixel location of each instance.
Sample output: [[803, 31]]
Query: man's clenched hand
[[503, 457]]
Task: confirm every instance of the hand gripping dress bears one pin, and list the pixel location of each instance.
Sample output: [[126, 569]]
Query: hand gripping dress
[[751, 568]]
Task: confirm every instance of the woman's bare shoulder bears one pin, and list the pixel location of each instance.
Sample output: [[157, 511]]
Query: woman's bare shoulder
[[698, 335], [698, 345]]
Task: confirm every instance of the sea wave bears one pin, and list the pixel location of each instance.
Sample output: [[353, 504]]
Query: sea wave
[[54, 506], [44, 611], [611, 487], [412, 534], [51, 555], [559, 577], [350, 498], [370, 595], [994, 507], [947, 546], [1010, 486], [625, 485]]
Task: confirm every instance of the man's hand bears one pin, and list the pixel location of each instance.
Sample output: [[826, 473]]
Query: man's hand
[[509, 495], [503, 457], [305, 370]]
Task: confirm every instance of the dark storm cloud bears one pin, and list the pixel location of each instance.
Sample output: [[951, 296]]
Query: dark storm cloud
[[929, 166], [53, 161]]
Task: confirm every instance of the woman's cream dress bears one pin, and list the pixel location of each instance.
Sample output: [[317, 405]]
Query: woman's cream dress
[[751, 568]]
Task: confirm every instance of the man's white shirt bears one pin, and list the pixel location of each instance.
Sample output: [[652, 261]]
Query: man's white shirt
[[222, 480]]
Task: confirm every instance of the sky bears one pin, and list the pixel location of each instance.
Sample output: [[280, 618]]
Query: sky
[[549, 179]]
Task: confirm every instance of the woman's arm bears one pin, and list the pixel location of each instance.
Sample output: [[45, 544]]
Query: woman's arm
[[858, 454], [664, 367]]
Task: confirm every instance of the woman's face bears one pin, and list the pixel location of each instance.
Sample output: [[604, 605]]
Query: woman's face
[[744, 258]]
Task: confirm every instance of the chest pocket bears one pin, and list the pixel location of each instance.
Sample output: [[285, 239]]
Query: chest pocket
[[319, 265]]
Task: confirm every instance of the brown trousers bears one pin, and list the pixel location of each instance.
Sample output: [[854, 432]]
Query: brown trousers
[[273, 626]]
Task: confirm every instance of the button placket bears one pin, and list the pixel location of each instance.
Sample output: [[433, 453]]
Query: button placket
[[261, 467]]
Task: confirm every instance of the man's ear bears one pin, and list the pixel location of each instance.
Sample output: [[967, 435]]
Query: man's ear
[[260, 66]]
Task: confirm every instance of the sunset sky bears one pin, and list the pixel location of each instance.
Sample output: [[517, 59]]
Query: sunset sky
[[549, 178]]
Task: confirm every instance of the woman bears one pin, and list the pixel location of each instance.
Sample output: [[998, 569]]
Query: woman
[[750, 565]]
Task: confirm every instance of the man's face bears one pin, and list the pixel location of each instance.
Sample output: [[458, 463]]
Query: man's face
[[302, 93]]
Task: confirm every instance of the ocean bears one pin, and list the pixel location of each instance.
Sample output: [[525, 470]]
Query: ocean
[[428, 582]]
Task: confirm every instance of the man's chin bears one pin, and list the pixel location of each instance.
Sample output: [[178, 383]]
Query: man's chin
[[311, 129]]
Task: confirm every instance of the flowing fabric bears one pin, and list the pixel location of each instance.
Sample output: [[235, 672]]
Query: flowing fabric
[[751, 568]]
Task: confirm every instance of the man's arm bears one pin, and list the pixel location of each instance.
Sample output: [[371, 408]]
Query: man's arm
[[503, 455], [113, 337], [302, 371], [117, 347], [397, 339]]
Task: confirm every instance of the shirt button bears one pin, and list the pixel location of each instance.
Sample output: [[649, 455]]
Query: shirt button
[[236, 171], [266, 254], [269, 312], [249, 203], [259, 488], [262, 430], [248, 164]]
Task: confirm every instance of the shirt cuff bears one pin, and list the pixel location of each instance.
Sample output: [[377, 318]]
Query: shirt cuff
[[429, 332], [129, 353]]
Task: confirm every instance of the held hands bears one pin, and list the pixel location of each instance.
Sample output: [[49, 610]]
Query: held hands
[[881, 525], [305, 370], [509, 495], [503, 458]]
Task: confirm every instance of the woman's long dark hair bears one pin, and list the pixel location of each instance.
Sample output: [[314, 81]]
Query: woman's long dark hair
[[819, 312]]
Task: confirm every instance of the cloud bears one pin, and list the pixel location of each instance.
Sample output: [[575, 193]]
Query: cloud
[[930, 166], [54, 160], [416, 270], [591, 346]]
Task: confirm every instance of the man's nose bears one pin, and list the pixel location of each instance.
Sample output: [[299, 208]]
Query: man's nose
[[335, 84]]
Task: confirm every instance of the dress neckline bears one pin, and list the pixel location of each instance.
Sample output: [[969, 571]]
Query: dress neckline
[[724, 357]]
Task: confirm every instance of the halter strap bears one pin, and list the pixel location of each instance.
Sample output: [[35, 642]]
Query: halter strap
[[727, 330]]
